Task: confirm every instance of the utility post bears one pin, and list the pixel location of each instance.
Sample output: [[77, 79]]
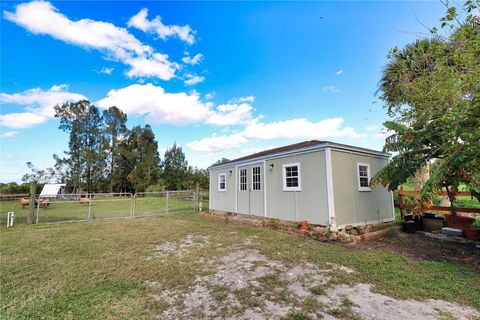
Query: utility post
[[31, 207]]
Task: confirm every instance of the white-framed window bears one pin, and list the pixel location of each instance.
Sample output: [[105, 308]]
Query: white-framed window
[[222, 182], [256, 179], [243, 180], [363, 172], [291, 177]]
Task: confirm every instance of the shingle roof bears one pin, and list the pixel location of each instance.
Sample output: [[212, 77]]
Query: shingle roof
[[276, 150]]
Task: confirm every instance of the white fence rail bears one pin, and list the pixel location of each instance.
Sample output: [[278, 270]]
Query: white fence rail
[[103, 206]]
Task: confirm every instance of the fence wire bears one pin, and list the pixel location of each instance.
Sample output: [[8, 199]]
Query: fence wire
[[102, 206]]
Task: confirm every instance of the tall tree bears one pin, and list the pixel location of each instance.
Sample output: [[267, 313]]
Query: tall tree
[[431, 89], [85, 161], [174, 168], [115, 131], [139, 159]]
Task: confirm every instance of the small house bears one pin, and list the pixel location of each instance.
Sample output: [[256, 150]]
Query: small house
[[322, 182]]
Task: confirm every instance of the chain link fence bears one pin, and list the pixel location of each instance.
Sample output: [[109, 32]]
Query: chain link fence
[[103, 206]]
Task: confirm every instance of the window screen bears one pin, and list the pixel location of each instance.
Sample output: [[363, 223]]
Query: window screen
[[363, 176], [243, 179], [222, 179], [291, 177], [256, 182]]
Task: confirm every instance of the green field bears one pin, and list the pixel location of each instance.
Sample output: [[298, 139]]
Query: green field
[[103, 208], [104, 269]]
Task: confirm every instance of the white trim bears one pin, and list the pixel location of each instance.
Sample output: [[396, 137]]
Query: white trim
[[264, 188], [219, 175], [236, 189], [210, 192], [330, 192], [299, 177], [360, 188], [260, 176], [335, 146]]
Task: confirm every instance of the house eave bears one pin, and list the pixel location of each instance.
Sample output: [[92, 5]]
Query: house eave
[[318, 147]]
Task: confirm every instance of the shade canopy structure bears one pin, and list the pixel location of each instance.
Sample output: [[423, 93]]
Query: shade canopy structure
[[51, 190]]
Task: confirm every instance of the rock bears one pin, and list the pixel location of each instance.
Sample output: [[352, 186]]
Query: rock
[[344, 237], [361, 229], [320, 231], [348, 227], [333, 236]]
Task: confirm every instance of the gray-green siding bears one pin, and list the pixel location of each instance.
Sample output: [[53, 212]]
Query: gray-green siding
[[351, 205], [308, 204]]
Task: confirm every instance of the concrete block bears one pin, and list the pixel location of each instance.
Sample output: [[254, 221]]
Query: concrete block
[[452, 232]]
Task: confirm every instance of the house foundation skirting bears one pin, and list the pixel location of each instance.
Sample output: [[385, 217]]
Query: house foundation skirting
[[346, 234]]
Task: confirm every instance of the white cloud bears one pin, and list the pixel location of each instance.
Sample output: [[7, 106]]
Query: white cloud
[[116, 43], [106, 70], [21, 120], [331, 88], [192, 61], [38, 105], [9, 134], [156, 26], [218, 143], [339, 72], [247, 99], [289, 129], [193, 79], [230, 114], [174, 108], [158, 105], [210, 95]]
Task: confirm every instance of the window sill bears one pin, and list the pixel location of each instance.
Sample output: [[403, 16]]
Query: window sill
[[365, 189]]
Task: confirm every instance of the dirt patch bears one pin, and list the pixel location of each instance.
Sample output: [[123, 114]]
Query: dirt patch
[[180, 248], [418, 247], [370, 305], [245, 284]]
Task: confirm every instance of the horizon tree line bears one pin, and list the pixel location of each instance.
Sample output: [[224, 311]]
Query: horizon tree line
[[104, 155]]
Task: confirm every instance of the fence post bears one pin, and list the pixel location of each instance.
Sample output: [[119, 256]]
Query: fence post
[[132, 205], [31, 207], [401, 203], [195, 202], [166, 205], [38, 211], [89, 197]]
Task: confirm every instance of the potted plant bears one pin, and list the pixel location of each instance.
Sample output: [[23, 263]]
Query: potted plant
[[409, 226], [473, 232], [432, 222]]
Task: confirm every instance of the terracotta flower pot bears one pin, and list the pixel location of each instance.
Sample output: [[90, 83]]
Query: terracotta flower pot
[[472, 233], [458, 222], [303, 225]]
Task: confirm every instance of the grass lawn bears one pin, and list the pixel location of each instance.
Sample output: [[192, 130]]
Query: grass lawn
[[121, 269]]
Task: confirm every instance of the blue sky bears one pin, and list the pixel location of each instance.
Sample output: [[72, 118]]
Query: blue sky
[[222, 79]]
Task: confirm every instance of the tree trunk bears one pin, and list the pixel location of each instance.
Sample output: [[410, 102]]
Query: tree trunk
[[451, 197]]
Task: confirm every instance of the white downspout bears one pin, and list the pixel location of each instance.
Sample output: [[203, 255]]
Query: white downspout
[[330, 195]]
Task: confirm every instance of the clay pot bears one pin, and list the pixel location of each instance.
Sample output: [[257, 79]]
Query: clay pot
[[460, 221], [303, 225], [472, 233]]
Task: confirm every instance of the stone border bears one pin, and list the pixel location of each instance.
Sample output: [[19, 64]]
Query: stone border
[[349, 234]]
